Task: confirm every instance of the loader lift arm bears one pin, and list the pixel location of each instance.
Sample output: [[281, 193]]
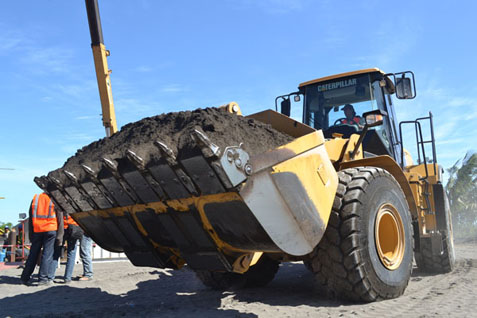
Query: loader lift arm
[[100, 55]]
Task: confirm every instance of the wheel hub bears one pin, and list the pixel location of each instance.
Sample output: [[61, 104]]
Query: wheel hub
[[389, 236]]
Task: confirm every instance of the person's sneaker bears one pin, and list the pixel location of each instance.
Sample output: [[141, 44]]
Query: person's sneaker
[[44, 283], [85, 278], [66, 281], [26, 282]]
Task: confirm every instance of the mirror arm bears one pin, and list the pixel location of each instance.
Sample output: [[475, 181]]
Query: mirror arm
[[366, 128], [360, 141], [287, 96], [285, 107]]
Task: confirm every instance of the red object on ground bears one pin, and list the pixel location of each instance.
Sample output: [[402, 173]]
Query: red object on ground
[[9, 265]]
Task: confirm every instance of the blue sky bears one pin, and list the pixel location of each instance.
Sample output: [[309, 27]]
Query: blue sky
[[177, 55]]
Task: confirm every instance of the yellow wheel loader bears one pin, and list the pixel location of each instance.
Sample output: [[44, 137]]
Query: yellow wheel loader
[[233, 196]]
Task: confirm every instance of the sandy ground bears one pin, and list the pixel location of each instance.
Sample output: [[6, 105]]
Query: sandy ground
[[122, 290]]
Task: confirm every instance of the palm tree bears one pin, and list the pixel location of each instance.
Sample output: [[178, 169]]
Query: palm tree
[[462, 192]]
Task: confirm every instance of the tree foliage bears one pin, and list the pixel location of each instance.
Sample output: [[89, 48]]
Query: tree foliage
[[462, 191], [2, 226]]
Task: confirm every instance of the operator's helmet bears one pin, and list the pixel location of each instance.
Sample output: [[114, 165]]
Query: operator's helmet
[[348, 106]]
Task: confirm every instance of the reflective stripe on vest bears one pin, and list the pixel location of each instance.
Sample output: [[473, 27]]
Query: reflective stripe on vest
[[43, 214]]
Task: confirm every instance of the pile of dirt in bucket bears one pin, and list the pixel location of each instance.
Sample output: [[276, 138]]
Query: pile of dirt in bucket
[[175, 129]]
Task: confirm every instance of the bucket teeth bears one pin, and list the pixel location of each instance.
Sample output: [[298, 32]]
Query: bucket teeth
[[100, 195], [132, 169], [55, 181], [78, 188], [115, 183], [110, 164], [135, 159], [74, 191], [48, 186], [89, 171], [198, 166], [40, 183], [212, 153], [132, 179], [165, 150], [179, 177], [55, 187], [208, 148], [71, 176]]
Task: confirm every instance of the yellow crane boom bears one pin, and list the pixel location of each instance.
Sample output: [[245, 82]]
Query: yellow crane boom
[[100, 55]]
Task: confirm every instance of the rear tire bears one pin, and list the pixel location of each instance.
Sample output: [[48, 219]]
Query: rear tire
[[258, 275], [358, 259], [445, 262]]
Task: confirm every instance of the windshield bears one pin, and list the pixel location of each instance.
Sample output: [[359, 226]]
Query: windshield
[[340, 101]]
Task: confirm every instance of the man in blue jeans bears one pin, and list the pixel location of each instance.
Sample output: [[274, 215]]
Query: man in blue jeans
[[70, 261], [43, 226], [86, 244], [71, 237]]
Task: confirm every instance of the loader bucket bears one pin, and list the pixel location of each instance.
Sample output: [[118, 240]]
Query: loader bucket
[[210, 202]]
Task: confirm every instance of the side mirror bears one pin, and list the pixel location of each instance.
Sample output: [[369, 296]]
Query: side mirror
[[404, 84], [296, 98], [374, 118], [22, 215], [404, 88], [285, 107]]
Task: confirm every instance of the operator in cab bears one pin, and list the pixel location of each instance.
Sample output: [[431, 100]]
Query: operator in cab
[[351, 117]]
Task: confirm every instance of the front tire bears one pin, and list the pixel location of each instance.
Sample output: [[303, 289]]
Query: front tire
[[367, 250], [445, 262]]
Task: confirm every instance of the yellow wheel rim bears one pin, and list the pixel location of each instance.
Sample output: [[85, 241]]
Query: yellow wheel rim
[[389, 236]]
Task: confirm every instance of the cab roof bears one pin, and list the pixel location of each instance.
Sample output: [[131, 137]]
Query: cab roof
[[331, 77]]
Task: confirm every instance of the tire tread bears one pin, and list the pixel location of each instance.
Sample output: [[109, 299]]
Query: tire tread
[[344, 276]]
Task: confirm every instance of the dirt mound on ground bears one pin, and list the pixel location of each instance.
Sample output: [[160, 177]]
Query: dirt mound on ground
[[174, 129]]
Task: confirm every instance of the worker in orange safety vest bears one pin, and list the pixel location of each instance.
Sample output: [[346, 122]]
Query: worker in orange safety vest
[[43, 227], [351, 118]]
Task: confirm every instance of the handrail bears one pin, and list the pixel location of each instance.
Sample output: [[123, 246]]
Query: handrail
[[420, 143]]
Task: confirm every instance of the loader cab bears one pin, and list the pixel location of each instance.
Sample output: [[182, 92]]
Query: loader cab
[[324, 100]]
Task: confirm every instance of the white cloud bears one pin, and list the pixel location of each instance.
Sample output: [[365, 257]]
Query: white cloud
[[37, 57], [8, 43], [452, 141], [173, 88], [144, 69], [462, 101], [73, 90], [47, 60], [133, 107]]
